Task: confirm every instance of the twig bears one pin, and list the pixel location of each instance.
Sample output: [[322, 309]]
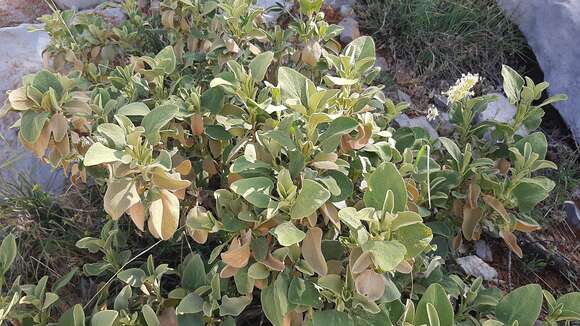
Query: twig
[[510, 270]]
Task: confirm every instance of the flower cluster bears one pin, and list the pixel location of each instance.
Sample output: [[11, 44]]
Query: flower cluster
[[462, 88]]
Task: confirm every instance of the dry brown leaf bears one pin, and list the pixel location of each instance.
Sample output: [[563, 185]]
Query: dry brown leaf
[[228, 271], [512, 242], [137, 214], [370, 285], [237, 255], [362, 263], [273, 263], [497, 206], [473, 195], [312, 251], [197, 124], [471, 217]]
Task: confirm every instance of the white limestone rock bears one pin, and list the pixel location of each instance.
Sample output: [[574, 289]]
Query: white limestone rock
[[552, 29], [474, 266]]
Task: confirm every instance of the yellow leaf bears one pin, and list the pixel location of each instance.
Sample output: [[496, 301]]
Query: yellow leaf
[[120, 196], [168, 181], [164, 215]]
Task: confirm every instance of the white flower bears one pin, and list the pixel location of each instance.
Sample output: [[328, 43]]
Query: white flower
[[462, 88], [432, 113]]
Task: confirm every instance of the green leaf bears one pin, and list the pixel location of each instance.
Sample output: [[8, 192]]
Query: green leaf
[[194, 275], [132, 276], [259, 65], [332, 317], [274, 299], [293, 84], [104, 318], [75, 316], [512, 83], [343, 182], [63, 281], [433, 315], [166, 60], [304, 293], [311, 197], [386, 255], [45, 80], [416, 238], [114, 134], [255, 190], [190, 304], [212, 100], [330, 139], [522, 304], [31, 125], [134, 109], [156, 119], [570, 306], [150, 316], [8, 252], [234, 306], [538, 142], [530, 192], [288, 234], [435, 295], [217, 132], [386, 177], [99, 153]]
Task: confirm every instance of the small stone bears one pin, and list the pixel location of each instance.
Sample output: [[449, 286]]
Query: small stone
[[351, 30], [382, 63], [474, 266], [572, 215], [440, 101], [404, 121], [346, 11], [483, 251], [501, 110], [403, 97]]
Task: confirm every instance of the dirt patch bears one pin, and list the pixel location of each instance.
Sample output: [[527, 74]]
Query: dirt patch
[[16, 12]]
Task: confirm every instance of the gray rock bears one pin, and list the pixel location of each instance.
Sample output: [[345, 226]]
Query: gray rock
[[552, 29], [346, 10], [338, 4], [501, 110], [21, 56], [382, 63], [404, 121], [483, 251], [474, 266], [440, 101], [351, 30], [113, 15], [403, 97], [78, 4]]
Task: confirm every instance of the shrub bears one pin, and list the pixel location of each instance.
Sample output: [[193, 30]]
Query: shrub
[[266, 146]]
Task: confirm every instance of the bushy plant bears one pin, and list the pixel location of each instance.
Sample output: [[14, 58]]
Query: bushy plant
[[266, 146]]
